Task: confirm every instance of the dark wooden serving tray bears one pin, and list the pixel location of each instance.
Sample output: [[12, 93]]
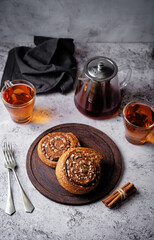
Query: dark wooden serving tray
[[44, 178]]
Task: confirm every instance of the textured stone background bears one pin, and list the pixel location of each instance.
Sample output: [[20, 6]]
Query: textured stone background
[[134, 219], [88, 20]]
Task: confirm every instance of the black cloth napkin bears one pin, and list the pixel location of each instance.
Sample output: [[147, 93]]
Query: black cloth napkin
[[50, 66]]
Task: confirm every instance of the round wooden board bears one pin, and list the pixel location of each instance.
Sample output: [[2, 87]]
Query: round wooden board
[[44, 178]]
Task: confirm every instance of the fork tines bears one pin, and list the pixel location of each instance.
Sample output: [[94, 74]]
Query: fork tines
[[7, 149]]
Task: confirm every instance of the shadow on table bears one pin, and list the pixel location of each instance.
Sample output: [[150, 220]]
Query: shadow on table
[[42, 116]]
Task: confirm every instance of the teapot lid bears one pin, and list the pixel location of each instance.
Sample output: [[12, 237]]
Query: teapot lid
[[100, 69]]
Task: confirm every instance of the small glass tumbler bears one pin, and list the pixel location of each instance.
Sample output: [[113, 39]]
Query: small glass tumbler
[[138, 118], [19, 98]]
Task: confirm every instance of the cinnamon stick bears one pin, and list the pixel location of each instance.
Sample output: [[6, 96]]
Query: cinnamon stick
[[119, 195]]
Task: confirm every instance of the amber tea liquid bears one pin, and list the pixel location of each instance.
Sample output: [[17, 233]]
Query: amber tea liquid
[[98, 101], [19, 100], [138, 121], [139, 115]]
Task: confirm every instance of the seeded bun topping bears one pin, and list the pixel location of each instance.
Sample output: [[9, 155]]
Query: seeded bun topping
[[79, 170], [53, 145]]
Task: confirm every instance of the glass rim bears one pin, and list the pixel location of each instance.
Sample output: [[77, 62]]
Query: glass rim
[[19, 81], [143, 102]]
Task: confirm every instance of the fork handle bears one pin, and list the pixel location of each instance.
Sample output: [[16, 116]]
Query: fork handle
[[10, 209], [27, 203]]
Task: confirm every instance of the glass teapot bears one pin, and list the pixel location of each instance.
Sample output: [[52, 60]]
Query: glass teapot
[[97, 93]]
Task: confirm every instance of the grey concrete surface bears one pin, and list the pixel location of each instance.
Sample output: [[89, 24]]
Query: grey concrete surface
[[88, 20], [134, 219]]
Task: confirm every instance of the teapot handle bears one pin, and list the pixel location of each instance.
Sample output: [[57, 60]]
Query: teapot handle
[[128, 70]]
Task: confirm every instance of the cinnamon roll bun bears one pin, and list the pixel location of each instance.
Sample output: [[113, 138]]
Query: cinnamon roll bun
[[79, 170], [54, 144]]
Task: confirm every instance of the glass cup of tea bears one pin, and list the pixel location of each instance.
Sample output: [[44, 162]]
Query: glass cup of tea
[[19, 97], [138, 118]]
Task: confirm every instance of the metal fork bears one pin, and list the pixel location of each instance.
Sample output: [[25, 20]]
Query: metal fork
[[10, 208], [11, 164]]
